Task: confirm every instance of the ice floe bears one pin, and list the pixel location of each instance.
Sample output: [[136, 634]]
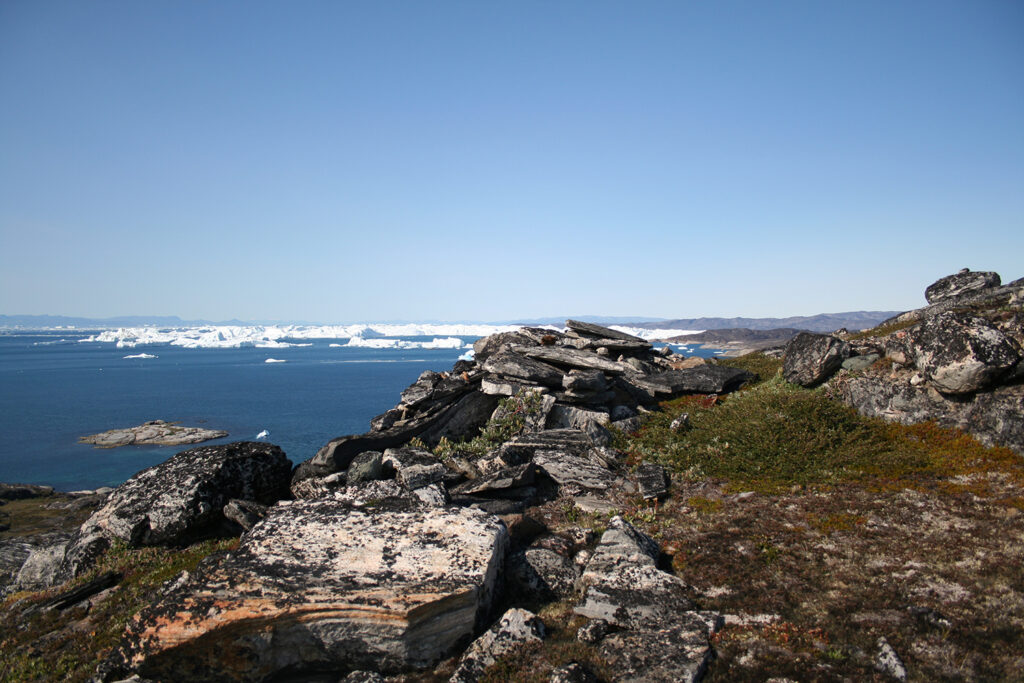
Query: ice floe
[[275, 360], [142, 355]]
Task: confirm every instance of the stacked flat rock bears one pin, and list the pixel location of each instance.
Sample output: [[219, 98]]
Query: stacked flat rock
[[589, 377]]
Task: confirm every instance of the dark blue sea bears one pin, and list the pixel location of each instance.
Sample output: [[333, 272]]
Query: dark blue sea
[[54, 389]]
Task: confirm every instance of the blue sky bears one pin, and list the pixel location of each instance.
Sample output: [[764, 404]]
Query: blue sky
[[345, 161]]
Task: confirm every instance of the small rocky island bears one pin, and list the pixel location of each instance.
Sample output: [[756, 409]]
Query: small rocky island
[[577, 506], [152, 433]]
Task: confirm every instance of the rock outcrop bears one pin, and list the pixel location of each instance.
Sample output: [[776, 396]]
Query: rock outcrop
[[153, 433], [957, 362], [181, 499], [382, 587]]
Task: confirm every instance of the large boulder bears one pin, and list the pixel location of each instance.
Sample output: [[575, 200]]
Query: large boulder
[[959, 353], [182, 498], [384, 587], [958, 284], [811, 358]]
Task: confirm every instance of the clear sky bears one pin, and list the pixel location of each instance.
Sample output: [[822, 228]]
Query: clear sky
[[354, 161]]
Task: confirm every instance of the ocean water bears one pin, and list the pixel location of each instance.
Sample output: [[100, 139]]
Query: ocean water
[[55, 388]]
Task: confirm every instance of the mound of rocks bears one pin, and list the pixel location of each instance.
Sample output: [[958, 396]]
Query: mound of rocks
[[588, 377]]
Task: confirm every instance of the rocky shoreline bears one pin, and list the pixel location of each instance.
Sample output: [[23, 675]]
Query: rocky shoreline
[[428, 543]]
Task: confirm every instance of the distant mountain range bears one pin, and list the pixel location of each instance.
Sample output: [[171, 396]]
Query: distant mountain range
[[825, 322]]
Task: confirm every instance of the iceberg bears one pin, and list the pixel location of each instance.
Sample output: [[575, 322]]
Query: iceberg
[[653, 334], [435, 343], [275, 360], [287, 336]]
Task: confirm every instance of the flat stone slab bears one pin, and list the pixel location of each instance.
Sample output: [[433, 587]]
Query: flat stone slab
[[152, 433], [384, 587]]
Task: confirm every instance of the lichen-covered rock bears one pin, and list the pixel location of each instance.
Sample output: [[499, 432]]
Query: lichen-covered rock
[[516, 627], [384, 587], [623, 585], [663, 638], [182, 498], [959, 353], [42, 566], [413, 467], [367, 466], [542, 574], [677, 653], [993, 417], [810, 358], [958, 284]]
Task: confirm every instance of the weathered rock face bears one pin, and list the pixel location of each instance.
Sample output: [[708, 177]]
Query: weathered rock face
[[958, 284], [384, 587], [811, 358], [959, 353], [995, 418], [182, 498]]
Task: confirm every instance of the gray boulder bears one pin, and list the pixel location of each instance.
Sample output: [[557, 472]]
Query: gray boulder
[[516, 627], [623, 585], [811, 358], [413, 467], [959, 353], [385, 587], [244, 513], [182, 498], [366, 466], [958, 284]]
